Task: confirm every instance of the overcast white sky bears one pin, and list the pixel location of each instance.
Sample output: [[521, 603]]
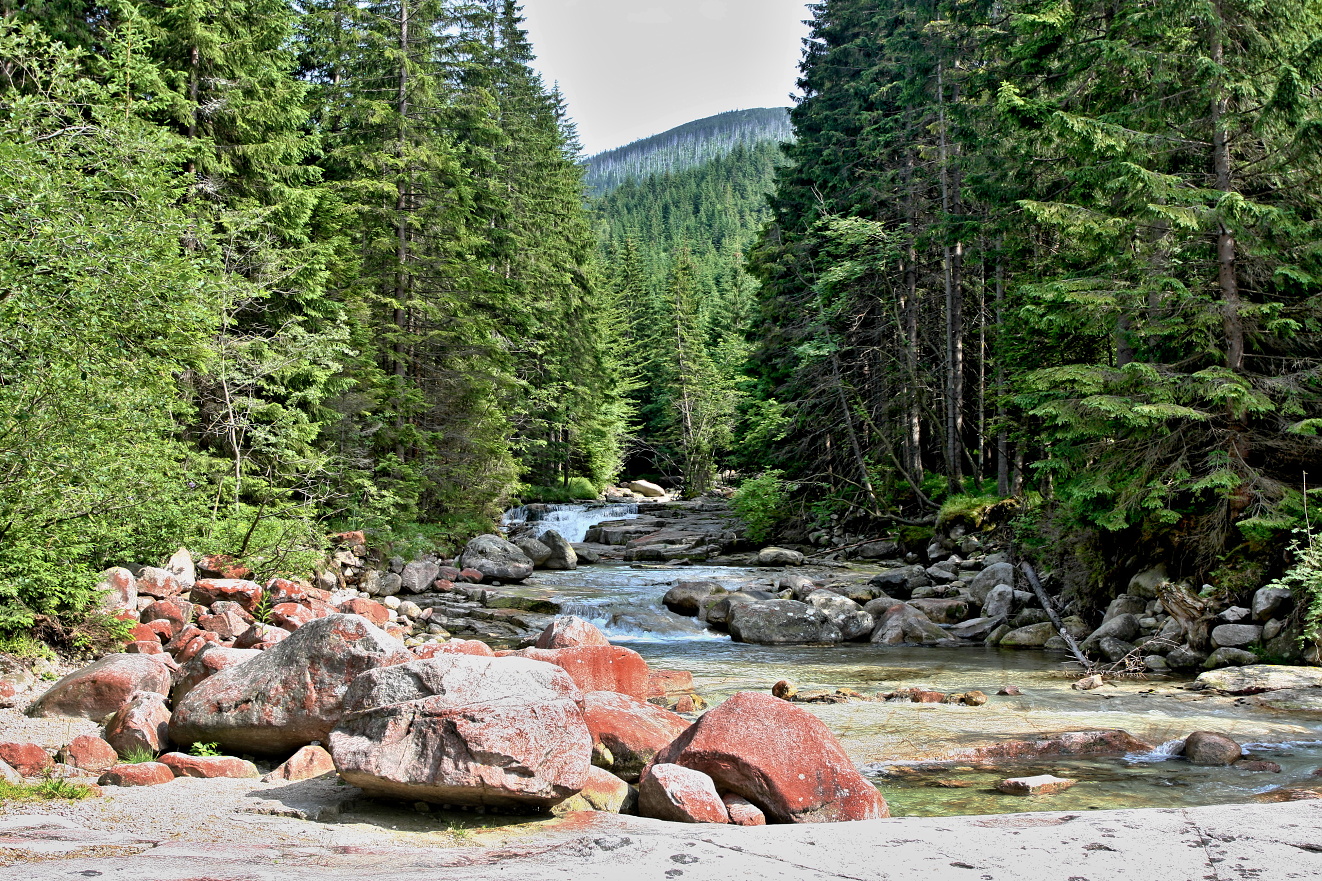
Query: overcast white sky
[[633, 68]]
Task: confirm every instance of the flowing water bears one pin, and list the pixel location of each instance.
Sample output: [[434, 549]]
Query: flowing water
[[920, 754], [571, 521]]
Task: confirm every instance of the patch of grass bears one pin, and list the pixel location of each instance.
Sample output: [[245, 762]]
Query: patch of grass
[[137, 755], [969, 510], [53, 789], [578, 488], [25, 647]]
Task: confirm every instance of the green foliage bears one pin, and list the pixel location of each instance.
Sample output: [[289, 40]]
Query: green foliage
[[54, 789], [137, 755], [206, 750], [968, 510], [1304, 579], [763, 503], [577, 489]]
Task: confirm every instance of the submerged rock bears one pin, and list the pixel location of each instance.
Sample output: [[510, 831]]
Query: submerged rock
[[1042, 784]]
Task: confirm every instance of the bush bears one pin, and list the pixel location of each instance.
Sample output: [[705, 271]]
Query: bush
[[578, 488], [761, 502], [1304, 579]]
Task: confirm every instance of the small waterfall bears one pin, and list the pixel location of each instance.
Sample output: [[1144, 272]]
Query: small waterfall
[[628, 621], [1168, 750], [571, 521]]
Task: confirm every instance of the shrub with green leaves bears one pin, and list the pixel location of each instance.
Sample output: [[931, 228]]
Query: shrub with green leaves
[[762, 502]]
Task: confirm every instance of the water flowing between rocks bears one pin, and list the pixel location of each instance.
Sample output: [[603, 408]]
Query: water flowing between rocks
[[925, 758]]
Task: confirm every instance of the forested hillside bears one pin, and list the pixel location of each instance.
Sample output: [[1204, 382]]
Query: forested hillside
[[1069, 253], [686, 146], [266, 269]]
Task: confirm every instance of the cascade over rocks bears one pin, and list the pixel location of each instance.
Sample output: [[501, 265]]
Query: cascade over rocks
[[258, 707]]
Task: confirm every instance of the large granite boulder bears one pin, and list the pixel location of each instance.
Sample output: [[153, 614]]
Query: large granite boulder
[[96, 691], [680, 795], [844, 613], [1259, 678], [778, 756], [465, 730], [902, 624], [774, 556], [599, 667], [533, 549], [782, 622], [1272, 602], [419, 576], [290, 695], [686, 598], [563, 556], [496, 559], [901, 581], [568, 631], [202, 666], [118, 591], [628, 733], [985, 581]]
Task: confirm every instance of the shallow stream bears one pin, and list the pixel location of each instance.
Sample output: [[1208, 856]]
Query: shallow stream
[[920, 754]]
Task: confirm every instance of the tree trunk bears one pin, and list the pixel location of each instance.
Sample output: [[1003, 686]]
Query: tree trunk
[[953, 265]]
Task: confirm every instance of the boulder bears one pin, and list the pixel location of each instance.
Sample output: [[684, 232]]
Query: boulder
[[247, 594], [1211, 748], [902, 624], [258, 707], [742, 811], [680, 795], [902, 581], [496, 559], [464, 730], [454, 647], [1227, 656], [645, 488], [119, 591], [1258, 678], [999, 602], [1235, 635], [604, 792], [141, 724], [774, 556], [158, 583], [176, 612], [291, 616], [1146, 583], [533, 549], [307, 763], [844, 613], [942, 611], [205, 664], [879, 550], [139, 774], [228, 624], [28, 759], [976, 628], [1125, 604], [181, 564], [989, 578], [389, 584], [373, 611], [209, 767], [420, 575], [1185, 658], [1042, 784], [89, 752], [778, 756], [599, 667], [781, 622], [1032, 636], [100, 689], [568, 631], [631, 731], [9, 775], [1123, 627], [1114, 649], [718, 610], [1272, 602], [563, 556], [686, 597]]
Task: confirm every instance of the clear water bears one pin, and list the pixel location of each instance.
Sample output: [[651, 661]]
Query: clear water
[[571, 521], [919, 753]]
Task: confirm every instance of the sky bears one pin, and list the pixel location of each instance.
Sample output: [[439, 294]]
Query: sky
[[633, 68]]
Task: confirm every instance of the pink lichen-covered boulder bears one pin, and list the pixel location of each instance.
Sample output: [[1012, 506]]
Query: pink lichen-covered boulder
[[139, 774], [247, 594], [89, 752], [158, 583], [282, 590], [100, 689], [144, 647], [208, 767], [599, 667], [308, 762], [228, 624], [141, 724], [680, 795], [291, 616], [28, 759], [778, 756], [369, 609], [633, 731], [742, 811], [567, 631], [176, 611], [289, 695], [460, 729], [210, 660], [454, 647], [119, 591]]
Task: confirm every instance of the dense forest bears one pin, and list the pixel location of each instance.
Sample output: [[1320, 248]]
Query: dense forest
[[1063, 252], [268, 269]]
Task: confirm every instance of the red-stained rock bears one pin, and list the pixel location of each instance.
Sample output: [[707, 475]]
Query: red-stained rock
[[308, 762], [140, 774], [567, 631], [141, 724], [399, 631], [260, 636], [146, 632], [291, 616], [631, 730], [680, 795], [369, 609], [454, 647], [1105, 742], [669, 683], [448, 573], [1206, 748], [174, 610], [291, 694], [921, 696], [89, 752], [27, 759], [778, 756], [145, 647], [158, 583], [119, 591], [227, 625], [599, 667], [247, 594], [742, 811], [443, 585], [183, 637], [460, 729], [100, 689], [195, 646], [282, 590], [468, 576], [222, 566], [162, 631], [210, 660], [208, 767], [348, 539]]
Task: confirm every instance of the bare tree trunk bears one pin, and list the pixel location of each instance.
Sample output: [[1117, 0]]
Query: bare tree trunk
[[1002, 436], [913, 418], [953, 265], [1227, 279]]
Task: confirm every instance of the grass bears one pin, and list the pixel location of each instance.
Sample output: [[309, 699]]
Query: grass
[[137, 755], [53, 789]]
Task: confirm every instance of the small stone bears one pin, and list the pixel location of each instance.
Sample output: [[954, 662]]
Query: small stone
[[28, 759], [742, 811], [1088, 683], [139, 774], [208, 767], [785, 690], [310, 761], [973, 698], [1042, 784], [89, 752]]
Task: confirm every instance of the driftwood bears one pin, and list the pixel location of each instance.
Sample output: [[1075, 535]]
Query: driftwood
[[1192, 611], [1050, 608]]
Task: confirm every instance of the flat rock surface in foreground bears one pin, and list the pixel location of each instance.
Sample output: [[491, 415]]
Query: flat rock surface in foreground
[[1259, 841]]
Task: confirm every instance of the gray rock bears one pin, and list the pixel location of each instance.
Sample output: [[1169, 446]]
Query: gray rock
[[1272, 602], [1185, 658], [902, 581], [941, 575], [1235, 635], [844, 613], [977, 628], [778, 557], [999, 602], [1235, 615], [1229, 657], [533, 549], [1125, 604], [718, 612], [1114, 649], [878, 606], [1211, 748], [902, 624], [1303, 700], [562, 557], [370, 582], [1032, 636], [419, 576], [1172, 631], [396, 565], [781, 622], [1272, 629], [1025, 617], [1145, 583], [389, 584], [983, 583], [1124, 627], [879, 550], [586, 555], [496, 559], [686, 597], [995, 637], [1156, 664]]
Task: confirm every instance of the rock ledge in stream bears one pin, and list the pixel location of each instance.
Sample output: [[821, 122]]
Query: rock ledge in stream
[[1259, 678]]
